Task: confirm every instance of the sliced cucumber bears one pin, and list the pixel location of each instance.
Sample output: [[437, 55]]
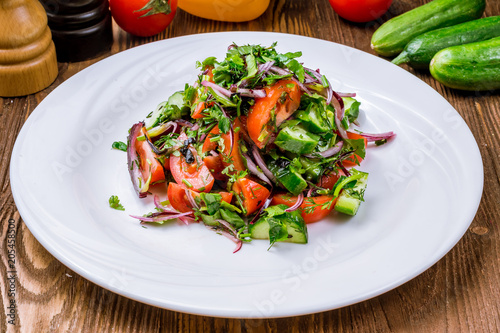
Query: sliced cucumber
[[297, 230], [296, 139], [313, 119], [289, 178], [350, 199]]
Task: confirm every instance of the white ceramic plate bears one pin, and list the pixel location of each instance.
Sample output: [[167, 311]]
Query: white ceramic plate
[[423, 192]]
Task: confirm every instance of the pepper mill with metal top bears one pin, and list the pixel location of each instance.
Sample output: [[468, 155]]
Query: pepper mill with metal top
[[27, 55], [81, 29]]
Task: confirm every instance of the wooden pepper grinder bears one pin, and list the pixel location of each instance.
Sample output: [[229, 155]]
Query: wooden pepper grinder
[[81, 29], [27, 54]]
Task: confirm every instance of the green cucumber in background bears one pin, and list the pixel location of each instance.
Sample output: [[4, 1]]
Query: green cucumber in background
[[392, 36], [420, 50], [474, 66]]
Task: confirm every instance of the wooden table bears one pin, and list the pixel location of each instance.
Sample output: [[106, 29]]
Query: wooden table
[[461, 293]]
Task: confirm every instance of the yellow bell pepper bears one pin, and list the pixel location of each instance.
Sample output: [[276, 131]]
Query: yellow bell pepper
[[225, 10]]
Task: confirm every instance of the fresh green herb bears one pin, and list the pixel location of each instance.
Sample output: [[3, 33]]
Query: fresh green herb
[[114, 203], [119, 145]]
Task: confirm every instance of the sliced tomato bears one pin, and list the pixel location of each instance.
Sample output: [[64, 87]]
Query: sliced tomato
[[178, 198], [196, 175], [252, 193], [227, 159], [328, 180], [282, 99], [356, 159], [200, 105], [149, 162], [226, 196], [311, 209], [166, 162], [214, 164]]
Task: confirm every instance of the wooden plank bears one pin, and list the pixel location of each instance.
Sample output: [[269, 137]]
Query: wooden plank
[[460, 293]]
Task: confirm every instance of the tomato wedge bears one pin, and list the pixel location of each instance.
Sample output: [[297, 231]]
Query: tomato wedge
[[227, 159], [200, 105], [328, 180], [196, 175], [178, 198], [356, 159], [214, 164], [251, 193], [311, 208], [149, 162], [282, 99]]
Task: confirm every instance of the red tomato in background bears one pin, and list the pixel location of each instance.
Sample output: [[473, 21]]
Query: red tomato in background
[[360, 10], [127, 15]]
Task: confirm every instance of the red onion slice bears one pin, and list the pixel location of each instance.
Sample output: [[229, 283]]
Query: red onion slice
[[133, 161], [183, 122], [346, 94], [264, 206], [157, 202], [377, 137], [264, 68], [254, 93], [187, 220], [160, 217], [253, 169], [280, 71], [260, 162], [191, 200], [301, 86], [296, 205], [217, 88], [232, 236], [329, 152]]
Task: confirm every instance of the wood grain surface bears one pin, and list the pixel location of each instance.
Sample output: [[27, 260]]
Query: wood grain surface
[[460, 293]]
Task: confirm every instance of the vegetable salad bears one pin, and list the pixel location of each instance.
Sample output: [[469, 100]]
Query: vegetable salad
[[256, 148]]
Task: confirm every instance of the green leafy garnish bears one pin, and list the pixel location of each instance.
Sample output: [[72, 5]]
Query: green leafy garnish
[[114, 203], [119, 145]]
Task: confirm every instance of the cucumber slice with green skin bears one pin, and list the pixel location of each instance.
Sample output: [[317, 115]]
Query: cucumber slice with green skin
[[420, 50], [296, 228], [392, 36], [296, 140], [474, 66], [312, 119], [313, 170], [290, 179], [349, 199]]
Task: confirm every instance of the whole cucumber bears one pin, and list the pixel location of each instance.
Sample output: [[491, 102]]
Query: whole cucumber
[[420, 50], [474, 66], [393, 35]]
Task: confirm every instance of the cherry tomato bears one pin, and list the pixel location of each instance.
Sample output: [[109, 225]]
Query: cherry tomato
[[284, 98], [253, 194], [360, 10], [312, 209], [195, 175], [129, 16]]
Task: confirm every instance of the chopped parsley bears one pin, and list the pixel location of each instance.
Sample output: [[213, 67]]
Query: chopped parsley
[[114, 203]]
